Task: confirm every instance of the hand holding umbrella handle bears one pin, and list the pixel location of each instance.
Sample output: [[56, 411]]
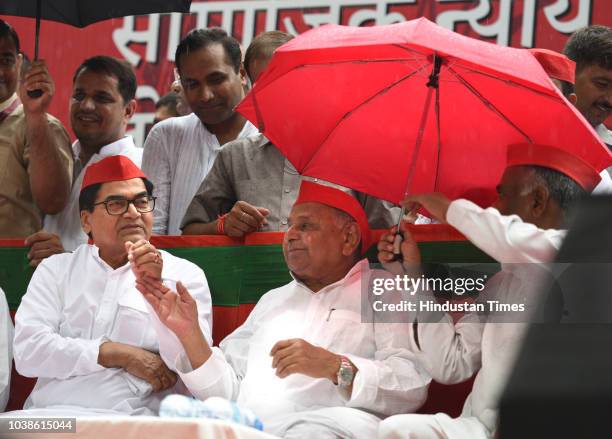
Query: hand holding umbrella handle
[[398, 238], [36, 93], [397, 244]]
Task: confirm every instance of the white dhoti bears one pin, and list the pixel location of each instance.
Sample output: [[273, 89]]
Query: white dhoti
[[325, 423], [438, 426]]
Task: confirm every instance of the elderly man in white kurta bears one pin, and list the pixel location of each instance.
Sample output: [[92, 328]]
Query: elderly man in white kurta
[[303, 361], [82, 327], [525, 226]]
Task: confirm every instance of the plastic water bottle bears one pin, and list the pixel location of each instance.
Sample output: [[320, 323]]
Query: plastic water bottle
[[180, 406]]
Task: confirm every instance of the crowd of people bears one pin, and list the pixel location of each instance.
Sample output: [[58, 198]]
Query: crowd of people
[[109, 324]]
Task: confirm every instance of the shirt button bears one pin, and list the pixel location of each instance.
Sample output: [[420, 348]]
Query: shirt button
[[284, 222], [287, 190]]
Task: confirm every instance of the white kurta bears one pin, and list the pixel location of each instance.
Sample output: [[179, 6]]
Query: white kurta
[[6, 351], [388, 380], [67, 223], [74, 302], [454, 352]]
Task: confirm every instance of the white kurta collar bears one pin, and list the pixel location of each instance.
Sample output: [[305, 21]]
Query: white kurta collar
[[95, 252], [115, 148], [604, 133], [356, 270], [4, 105]]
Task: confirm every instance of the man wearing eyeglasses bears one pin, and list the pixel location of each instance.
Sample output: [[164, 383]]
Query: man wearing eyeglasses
[[82, 327], [102, 103]]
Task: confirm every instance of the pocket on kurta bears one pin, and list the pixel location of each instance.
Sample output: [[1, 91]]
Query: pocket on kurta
[[130, 326], [344, 332]]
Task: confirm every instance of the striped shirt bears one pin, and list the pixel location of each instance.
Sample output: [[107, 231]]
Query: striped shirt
[[178, 153]]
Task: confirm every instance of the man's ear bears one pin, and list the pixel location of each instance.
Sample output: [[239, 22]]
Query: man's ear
[[85, 221], [573, 98], [540, 200], [130, 109], [243, 75], [352, 238]]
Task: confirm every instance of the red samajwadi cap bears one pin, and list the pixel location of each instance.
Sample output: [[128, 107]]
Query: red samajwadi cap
[[311, 192], [551, 157], [555, 64], [113, 168]]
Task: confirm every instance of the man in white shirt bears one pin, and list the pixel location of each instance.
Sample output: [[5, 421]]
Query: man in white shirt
[[82, 327], [179, 152], [6, 351], [303, 361], [591, 49], [102, 103], [525, 226], [562, 72]]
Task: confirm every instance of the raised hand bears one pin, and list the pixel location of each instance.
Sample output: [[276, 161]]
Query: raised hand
[[145, 259], [37, 77], [178, 311], [435, 203]]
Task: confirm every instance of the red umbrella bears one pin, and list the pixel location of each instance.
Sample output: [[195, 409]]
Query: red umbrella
[[409, 108]]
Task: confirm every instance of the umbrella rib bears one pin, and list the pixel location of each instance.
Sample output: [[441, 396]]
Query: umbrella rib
[[488, 104], [368, 100], [514, 83], [409, 49], [333, 63]]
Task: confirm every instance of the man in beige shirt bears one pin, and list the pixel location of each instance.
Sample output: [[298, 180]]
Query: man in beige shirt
[[35, 155]]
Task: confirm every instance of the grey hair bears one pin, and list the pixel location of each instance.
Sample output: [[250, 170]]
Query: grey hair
[[563, 189]]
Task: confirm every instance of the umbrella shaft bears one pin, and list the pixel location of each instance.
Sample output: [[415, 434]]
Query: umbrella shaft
[[38, 14]]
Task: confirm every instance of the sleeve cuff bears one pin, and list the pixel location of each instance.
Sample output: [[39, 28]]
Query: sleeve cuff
[[92, 352], [365, 384], [456, 212], [204, 377]]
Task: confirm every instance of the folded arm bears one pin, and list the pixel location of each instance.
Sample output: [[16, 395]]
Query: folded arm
[[39, 349]]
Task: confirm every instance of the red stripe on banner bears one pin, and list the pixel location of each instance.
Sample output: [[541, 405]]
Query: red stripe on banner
[[194, 241], [421, 233], [264, 238], [12, 243]]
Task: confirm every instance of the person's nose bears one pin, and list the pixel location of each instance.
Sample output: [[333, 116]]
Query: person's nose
[[131, 211], [206, 93], [292, 233], [87, 103], [608, 96]]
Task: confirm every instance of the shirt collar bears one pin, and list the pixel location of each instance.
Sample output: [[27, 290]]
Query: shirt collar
[[356, 270], [4, 105], [604, 133], [112, 149], [95, 252]]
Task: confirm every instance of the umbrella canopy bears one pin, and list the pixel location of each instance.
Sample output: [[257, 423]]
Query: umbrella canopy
[[81, 13], [409, 108]]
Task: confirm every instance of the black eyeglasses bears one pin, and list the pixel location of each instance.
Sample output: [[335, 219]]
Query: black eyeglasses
[[119, 206]]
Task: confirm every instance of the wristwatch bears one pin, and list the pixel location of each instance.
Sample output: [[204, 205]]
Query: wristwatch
[[345, 373]]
